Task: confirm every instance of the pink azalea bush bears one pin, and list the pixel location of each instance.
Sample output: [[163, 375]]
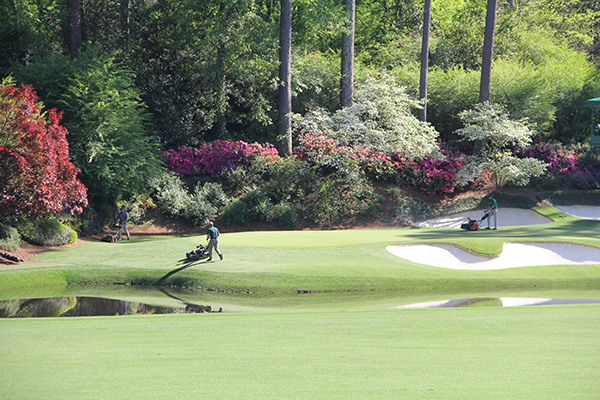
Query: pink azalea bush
[[430, 175], [215, 158], [573, 162]]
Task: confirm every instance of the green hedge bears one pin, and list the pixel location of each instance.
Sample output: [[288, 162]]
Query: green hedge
[[46, 232], [571, 197]]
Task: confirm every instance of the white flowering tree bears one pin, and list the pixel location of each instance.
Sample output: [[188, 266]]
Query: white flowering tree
[[490, 123], [380, 119]]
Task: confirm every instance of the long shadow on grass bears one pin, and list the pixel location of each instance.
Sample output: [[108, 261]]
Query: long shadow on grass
[[187, 263]]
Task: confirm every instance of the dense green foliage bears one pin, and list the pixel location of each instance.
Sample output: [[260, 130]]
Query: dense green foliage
[[109, 136], [10, 239], [208, 71], [46, 232], [158, 75]]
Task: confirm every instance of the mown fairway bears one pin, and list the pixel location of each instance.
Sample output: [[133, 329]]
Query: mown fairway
[[471, 353], [318, 351]]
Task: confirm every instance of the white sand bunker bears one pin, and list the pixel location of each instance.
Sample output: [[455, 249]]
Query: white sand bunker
[[513, 255], [583, 212], [506, 217]]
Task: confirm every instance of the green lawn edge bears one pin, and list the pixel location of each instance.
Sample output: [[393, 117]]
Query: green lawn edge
[[311, 261]]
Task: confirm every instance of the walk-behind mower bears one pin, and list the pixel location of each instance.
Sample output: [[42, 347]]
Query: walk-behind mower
[[200, 253], [473, 224]]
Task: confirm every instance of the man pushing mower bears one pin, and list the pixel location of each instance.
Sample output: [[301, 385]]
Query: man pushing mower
[[212, 235]]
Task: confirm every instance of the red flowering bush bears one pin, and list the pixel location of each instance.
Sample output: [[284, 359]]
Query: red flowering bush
[[38, 178], [215, 158]]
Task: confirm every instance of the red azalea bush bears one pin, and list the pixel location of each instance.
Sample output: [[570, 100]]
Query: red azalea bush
[[38, 178], [215, 158]]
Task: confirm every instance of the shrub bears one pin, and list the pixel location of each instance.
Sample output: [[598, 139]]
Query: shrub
[[214, 159], [286, 215], [430, 175], [488, 126], [173, 198], [10, 239], [380, 119], [237, 213], [237, 179], [576, 166], [46, 232], [170, 194]]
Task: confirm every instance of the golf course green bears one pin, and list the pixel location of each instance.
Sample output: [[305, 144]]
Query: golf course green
[[307, 314]]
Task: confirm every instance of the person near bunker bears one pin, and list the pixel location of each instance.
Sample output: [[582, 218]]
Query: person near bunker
[[122, 219], [212, 235], [493, 212]]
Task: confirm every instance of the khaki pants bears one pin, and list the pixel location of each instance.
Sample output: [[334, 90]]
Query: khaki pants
[[213, 244], [493, 213]]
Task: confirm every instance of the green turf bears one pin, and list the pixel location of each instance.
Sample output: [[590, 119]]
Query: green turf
[[470, 353], [341, 340], [287, 261]]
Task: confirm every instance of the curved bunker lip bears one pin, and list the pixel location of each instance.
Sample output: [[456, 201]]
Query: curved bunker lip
[[583, 212], [506, 302], [513, 255]]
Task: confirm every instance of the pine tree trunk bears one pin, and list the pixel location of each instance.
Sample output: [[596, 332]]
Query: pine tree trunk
[[425, 60], [488, 49], [486, 62], [347, 70], [74, 27], [285, 79]]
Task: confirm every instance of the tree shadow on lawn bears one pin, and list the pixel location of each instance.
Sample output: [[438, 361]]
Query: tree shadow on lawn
[[578, 229], [187, 263]]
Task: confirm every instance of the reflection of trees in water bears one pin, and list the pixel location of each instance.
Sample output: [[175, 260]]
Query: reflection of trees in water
[[53, 307], [85, 306]]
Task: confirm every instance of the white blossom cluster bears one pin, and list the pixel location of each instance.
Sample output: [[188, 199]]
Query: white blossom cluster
[[380, 119], [490, 123]]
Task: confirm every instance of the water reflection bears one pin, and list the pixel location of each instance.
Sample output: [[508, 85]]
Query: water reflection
[[127, 300], [76, 306], [499, 302]]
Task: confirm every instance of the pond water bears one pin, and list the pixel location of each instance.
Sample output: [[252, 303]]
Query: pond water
[[76, 306], [73, 301]]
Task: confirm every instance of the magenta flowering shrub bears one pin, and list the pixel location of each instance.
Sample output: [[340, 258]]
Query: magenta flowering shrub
[[431, 176], [216, 157], [437, 176], [573, 162]]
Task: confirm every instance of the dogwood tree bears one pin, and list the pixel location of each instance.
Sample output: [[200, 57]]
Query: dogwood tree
[[38, 178], [490, 124], [379, 119]]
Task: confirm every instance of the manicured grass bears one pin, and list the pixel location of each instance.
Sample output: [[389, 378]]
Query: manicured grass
[[322, 261], [342, 341], [470, 353]]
